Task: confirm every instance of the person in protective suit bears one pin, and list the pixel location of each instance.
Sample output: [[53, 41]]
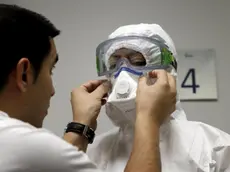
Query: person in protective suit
[[132, 51]]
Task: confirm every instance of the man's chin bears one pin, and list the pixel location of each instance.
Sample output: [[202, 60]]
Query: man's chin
[[44, 115], [41, 119], [37, 124]]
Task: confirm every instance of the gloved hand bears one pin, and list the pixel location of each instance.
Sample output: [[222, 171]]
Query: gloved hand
[[87, 100], [157, 101]]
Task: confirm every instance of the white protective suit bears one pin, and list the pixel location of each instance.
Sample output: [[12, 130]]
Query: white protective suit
[[185, 146]]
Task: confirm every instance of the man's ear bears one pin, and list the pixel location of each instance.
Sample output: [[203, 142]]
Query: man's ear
[[24, 74]]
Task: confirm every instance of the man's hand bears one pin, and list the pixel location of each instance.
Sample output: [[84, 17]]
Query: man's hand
[[86, 104], [87, 100], [157, 100]]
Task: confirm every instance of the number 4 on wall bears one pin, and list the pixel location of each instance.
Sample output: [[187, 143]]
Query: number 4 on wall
[[194, 86]]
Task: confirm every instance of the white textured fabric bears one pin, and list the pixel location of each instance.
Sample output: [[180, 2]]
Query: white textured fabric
[[185, 146], [24, 148], [147, 30]]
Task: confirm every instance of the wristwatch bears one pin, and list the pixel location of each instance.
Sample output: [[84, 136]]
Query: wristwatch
[[81, 129]]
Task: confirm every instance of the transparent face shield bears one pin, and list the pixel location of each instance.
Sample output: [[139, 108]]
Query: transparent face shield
[[167, 59]]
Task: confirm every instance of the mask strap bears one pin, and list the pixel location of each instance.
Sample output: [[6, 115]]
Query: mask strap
[[128, 70]]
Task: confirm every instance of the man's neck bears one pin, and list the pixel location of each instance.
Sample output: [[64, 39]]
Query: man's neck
[[11, 106]]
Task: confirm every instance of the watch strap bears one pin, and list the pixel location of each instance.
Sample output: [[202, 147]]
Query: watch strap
[[81, 129]]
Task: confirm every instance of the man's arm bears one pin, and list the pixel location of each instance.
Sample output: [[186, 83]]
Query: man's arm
[[86, 102], [76, 140], [146, 149], [154, 103], [41, 151]]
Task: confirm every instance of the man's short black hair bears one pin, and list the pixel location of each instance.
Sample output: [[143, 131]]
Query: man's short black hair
[[23, 33]]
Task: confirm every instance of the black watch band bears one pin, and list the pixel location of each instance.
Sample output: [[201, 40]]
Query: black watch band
[[81, 129]]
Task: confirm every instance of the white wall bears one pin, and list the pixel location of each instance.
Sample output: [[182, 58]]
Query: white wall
[[191, 24]]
